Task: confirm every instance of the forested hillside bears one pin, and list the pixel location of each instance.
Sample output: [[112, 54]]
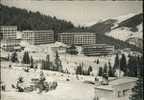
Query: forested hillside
[[27, 20]]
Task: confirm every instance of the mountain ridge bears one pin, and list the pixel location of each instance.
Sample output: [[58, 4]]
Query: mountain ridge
[[121, 28]]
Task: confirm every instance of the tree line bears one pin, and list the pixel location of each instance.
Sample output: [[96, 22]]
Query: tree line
[[45, 64]]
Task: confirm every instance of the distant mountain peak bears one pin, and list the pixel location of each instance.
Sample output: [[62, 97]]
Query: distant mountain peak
[[118, 18], [124, 17]]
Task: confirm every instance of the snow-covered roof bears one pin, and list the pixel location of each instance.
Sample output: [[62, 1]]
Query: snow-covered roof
[[119, 81], [124, 17], [19, 35], [58, 44], [122, 80], [35, 31], [104, 87]]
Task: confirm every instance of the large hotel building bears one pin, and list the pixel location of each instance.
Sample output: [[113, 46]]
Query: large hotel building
[[8, 37], [77, 38], [8, 32], [98, 50], [37, 37]]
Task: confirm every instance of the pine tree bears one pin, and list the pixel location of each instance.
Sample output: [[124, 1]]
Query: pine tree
[[32, 63], [97, 61], [48, 62], [26, 58], [14, 57], [57, 65], [79, 70], [138, 90], [135, 66], [100, 72], [89, 70], [110, 71], [116, 63], [132, 72], [105, 70], [123, 64], [141, 67]]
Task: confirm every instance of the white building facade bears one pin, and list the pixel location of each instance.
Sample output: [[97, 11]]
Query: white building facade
[[77, 38], [37, 37], [98, 49], [8, 37]]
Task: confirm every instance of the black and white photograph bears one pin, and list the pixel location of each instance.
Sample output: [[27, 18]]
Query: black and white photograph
[[71, 50]]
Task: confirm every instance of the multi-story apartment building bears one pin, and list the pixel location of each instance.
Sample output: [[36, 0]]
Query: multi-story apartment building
[[8, 37], [8, 32], [37, 37], [77, 38], [66, 38], [98, 50]]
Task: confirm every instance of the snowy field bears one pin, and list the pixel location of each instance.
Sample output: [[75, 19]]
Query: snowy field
[[73, 89], [66, 90]]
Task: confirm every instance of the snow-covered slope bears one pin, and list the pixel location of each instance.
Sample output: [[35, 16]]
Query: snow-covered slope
[[127, 28], [119, 19], [121, 27], [124, 33], [124, 17]]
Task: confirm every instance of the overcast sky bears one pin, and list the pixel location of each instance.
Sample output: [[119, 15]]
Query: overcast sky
[[79, 12]]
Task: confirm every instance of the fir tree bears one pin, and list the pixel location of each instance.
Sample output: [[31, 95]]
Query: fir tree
[[141, 66], [14, 57], [100, 72], [97, 61], [116, 63], [135, 66], [57, 65], [105, 70], [47, 62], [26, 58], [123, 64], [79, 70], [31, 62], [138, 90], [132, 66], [110, 71], [89, 70]]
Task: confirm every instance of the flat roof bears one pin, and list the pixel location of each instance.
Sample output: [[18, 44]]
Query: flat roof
[[123, 80], [77, 32], [93, 45], [119, 81], [8, 27], [104, 87], [37, 31]]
